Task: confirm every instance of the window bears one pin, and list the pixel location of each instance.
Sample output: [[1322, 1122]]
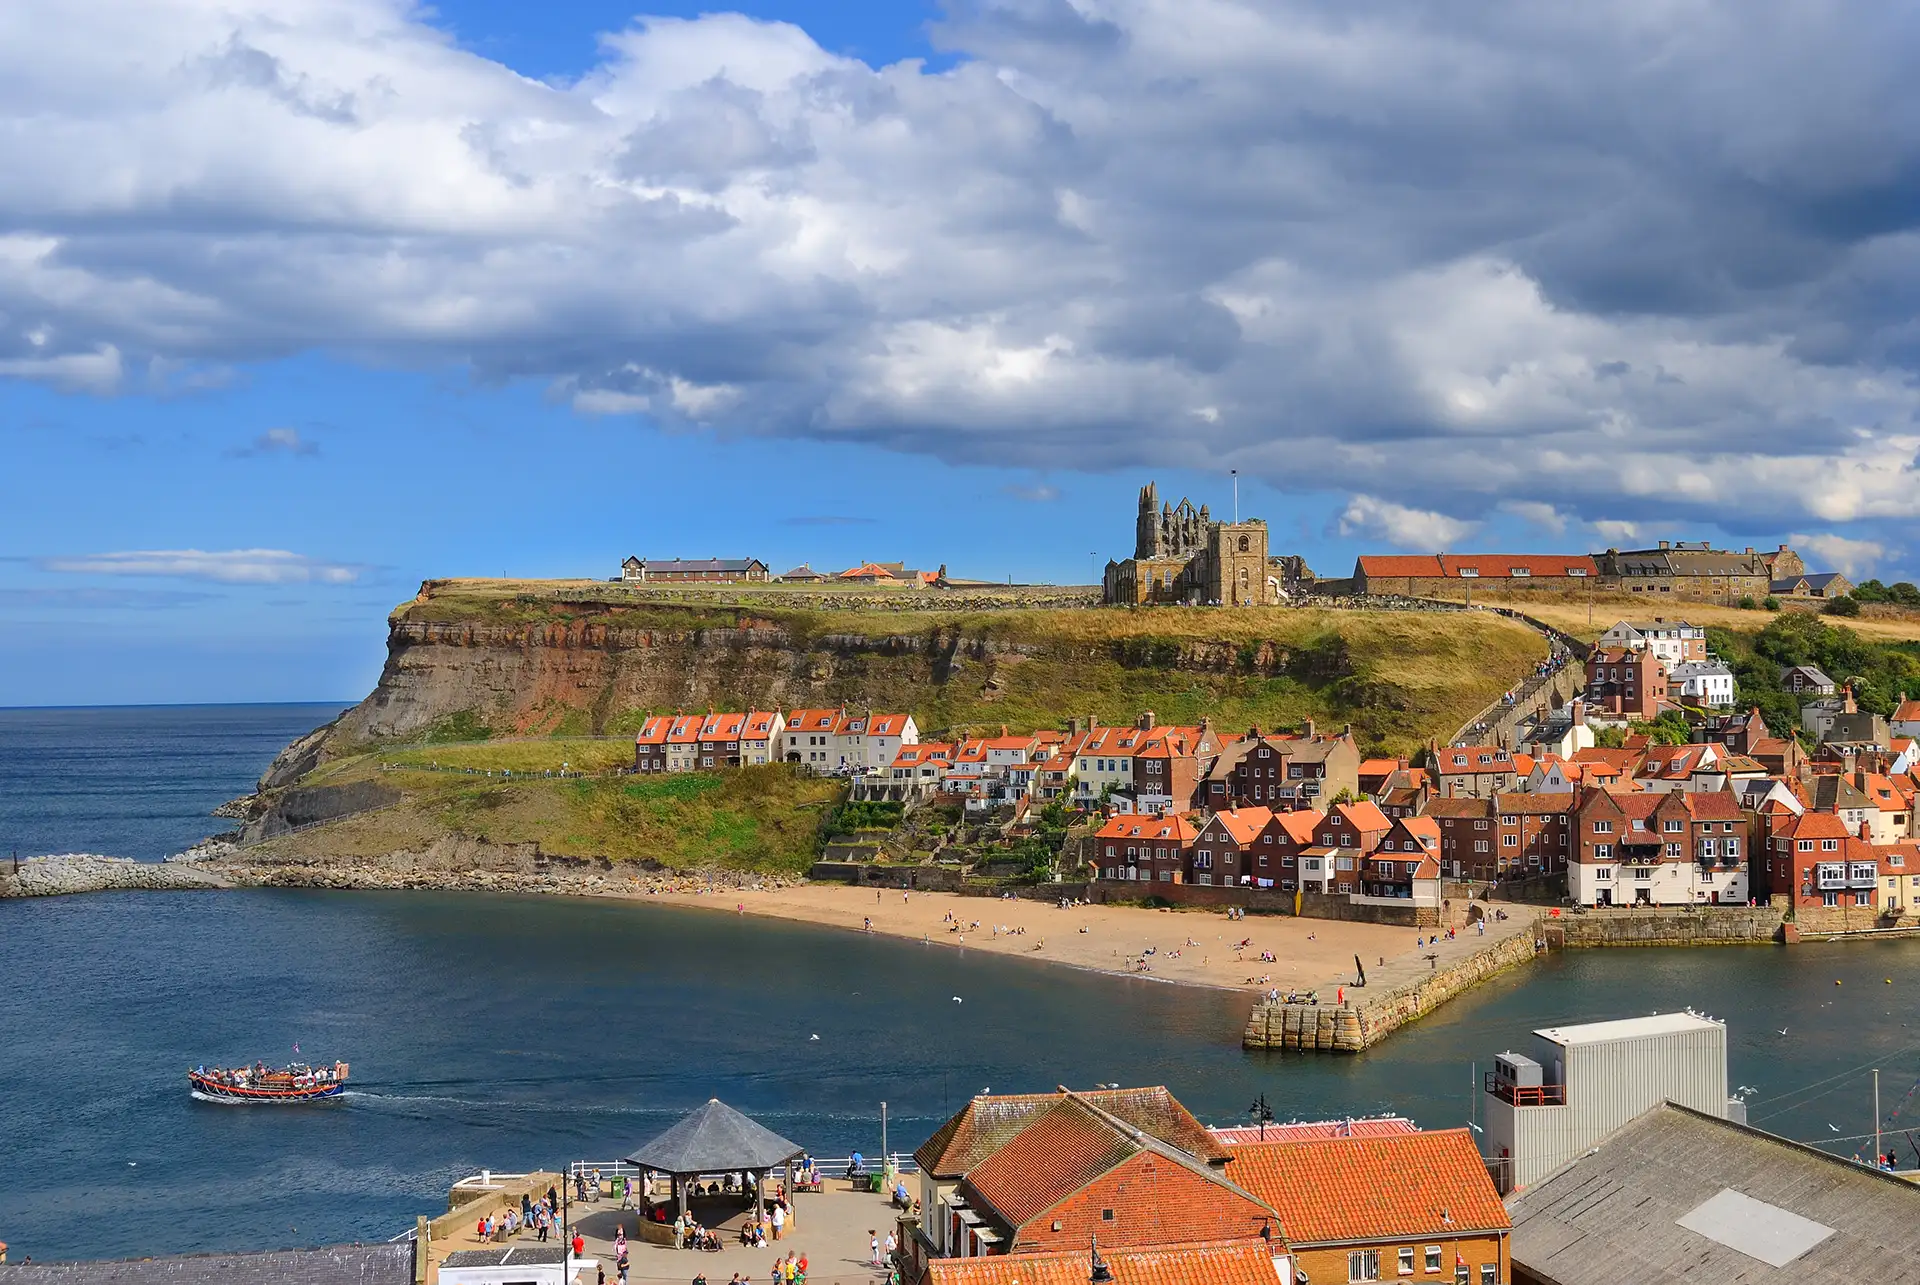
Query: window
[[1363, 1265], [1733, 847], [1603, 874], [1829, 845], [1673, 850], [1509, 840], [1603, 827], [1489, 1274], [1462, 1274], [1509, 820], [1479, 825], [1166, 876], [1603, 852], [1406, 1260], [1106, 1215], [1479, 845], [1675, 826], [1433, 1258]]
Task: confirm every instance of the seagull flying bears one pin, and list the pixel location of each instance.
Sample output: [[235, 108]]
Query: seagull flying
[[813, 1037], [1781, 1031], [958, 1000]]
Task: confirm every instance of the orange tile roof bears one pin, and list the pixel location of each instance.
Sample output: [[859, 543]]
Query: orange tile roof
[[1166, 829], [1365, 816], [1242, 825], [1060, 1152], [1303, 1130], [1246, 1262], [760, 724], [685, 728], [813, 720], [1298, 826], [986, 1123], [1343, 1190], [722, 727], [867, 571], [887, 725], [653, 731]]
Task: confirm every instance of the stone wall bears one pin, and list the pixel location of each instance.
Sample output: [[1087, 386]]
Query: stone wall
[[1704, 926], [1364, 1021]]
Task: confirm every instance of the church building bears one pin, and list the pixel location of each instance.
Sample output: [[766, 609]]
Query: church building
[[1181, 555]]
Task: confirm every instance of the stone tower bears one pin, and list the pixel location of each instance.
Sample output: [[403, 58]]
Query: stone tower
[[1147, 526]]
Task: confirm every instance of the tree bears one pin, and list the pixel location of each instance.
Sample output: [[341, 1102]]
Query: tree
[[1841, 606], [1345, 796], [1904, 592], [1871, 591], [1608, 738]]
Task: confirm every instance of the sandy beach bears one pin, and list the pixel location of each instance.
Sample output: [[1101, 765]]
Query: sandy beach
[[1198, 948]]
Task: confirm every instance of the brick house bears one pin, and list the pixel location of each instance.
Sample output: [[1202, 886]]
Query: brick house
[[1277, 857], [1659, 849], [1472, 771], [1814, 860], [1407, 862], [1469, 848], [719, 740], [1283, 772], [1456, 576], [1632, 684], [1409, 1206], [1513, 834], [1040, 1173], [1405, 793], [1143, 849], [1225, 850], [1806, 680], [650, 744]]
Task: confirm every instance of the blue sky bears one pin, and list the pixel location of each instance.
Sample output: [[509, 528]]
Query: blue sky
[[302, 303]]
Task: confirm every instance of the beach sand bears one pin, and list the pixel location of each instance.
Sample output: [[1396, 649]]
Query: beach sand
[[1307, 952]]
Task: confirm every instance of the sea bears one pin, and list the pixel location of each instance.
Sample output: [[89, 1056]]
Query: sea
[[509, 1033]]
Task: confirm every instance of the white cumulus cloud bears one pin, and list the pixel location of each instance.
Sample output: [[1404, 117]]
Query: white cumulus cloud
[[1856, 558], [1397, 524], [1581, 256]]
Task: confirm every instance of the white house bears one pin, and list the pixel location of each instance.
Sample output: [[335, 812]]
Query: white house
[[1672, 641], [761, 736], [886, 734], [1706, 681]]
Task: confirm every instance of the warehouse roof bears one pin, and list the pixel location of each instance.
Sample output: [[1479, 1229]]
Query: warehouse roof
[[1679, 1196]]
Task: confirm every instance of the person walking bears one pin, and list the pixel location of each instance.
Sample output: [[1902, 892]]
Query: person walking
[[579, 1245], [779, 1220], [891, 1244], [873, 1248]]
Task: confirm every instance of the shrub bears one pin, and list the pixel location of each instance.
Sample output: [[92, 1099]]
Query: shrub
[[1747, 603], [1841, 606], [1772, 603]]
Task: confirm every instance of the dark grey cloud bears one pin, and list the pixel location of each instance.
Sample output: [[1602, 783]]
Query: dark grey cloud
[[1612, 262]]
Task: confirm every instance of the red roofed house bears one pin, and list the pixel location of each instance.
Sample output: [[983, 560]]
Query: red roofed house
[[1814, 860], [1240, 1262], [809, 736], [1629, 684], [1225, 850], [1659, 849], [921, 763], [760, 736], [1408, 1206], [1472, 771], [1905, 722], [720, 740], [1406, 865], [683, 742], [650, 744], [1145, 848], [1042, 1174], [1276, 858], [1283, 771]]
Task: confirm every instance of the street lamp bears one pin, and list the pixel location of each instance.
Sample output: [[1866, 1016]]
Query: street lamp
[[1262, 1114]]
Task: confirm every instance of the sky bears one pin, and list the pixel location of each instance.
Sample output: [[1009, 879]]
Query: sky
[[305, 301]]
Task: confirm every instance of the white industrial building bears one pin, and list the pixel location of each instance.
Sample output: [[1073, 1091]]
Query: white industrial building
[[1583, 1082]]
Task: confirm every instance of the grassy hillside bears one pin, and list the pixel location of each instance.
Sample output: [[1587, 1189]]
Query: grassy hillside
[[959, 663], [765, 818], [1889, 624]]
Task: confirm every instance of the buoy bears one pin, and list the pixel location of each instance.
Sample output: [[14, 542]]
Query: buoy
[[1836, 981], [1889, 981]]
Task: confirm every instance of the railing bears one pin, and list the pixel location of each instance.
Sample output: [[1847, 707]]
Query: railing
[[827, 1166], [1543, 1095]]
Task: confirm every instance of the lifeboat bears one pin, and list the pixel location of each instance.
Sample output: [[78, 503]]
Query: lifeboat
[[261, 1083]]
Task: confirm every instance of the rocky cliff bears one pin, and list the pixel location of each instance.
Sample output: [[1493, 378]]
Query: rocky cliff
[[463, 664]]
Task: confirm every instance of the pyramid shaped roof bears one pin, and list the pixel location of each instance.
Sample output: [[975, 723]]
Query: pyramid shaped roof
[[715, 1139]]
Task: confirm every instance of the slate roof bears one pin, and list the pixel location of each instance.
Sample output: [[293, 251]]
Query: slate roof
[[1614, 1213], [1247, 1262], [332, 1265], [510, 1255], [713, 1139], [1408, 1185]]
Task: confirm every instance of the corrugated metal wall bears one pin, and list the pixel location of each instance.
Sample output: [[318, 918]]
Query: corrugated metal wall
[[1610, 1082]]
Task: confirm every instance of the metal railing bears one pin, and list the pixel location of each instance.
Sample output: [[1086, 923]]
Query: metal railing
[[1521, 1095]]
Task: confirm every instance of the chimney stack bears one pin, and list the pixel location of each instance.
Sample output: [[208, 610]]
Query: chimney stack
[[1146, 721], [1309, 729], [1665, 545]]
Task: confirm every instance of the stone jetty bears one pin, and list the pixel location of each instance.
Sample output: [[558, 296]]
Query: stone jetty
[[1399, 990], [74, 872]]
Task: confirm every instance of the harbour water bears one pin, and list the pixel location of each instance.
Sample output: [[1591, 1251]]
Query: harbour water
[[508, 1032]]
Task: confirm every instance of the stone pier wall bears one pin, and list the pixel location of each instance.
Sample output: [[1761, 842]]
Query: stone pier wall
[[1707, 926], [1367, 1019]]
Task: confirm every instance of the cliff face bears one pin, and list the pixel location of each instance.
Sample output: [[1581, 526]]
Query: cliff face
[[593, 672]]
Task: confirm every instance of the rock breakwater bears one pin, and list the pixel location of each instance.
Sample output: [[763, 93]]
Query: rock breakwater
[[75, 872]]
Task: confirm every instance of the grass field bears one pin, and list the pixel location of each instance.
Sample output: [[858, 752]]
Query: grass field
[[760, 818], [1884, 624]]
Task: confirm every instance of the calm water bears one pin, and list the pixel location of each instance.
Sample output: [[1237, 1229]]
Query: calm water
[[506, 1032], [135, 781]]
